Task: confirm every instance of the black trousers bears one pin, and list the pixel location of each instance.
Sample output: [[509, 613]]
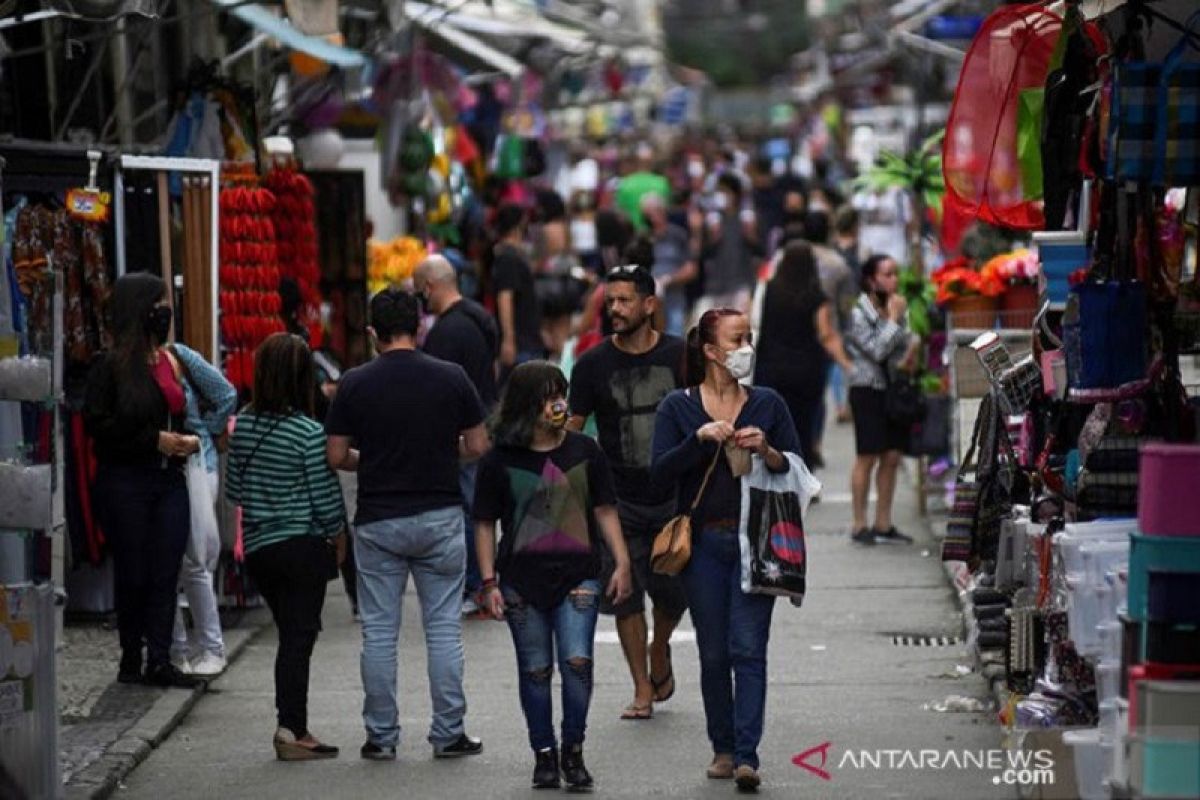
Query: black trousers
[[291, 576], [145, 516]]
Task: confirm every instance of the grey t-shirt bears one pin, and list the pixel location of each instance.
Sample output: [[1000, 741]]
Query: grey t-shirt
[[730, 264]]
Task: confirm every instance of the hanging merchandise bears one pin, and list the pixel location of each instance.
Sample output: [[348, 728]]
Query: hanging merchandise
[[1177, 140], [249, 273], [294, 216], [392, 263], [982, 157], [413, 161]]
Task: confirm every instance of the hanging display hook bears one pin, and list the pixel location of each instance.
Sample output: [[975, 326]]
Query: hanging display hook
[[94, 157]]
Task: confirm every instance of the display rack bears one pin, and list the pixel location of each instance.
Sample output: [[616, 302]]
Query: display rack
[[33, 510]]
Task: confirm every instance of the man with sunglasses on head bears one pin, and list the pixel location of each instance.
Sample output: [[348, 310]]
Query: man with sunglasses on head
[[621, 382]]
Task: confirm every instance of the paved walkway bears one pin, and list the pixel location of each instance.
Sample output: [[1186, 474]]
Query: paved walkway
[[836, 676]]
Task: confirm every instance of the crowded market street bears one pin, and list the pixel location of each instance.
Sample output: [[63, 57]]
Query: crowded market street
[[835, 676]]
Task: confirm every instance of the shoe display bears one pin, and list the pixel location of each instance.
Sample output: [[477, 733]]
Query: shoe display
[[865, 536], [373, 752], [209, 665], [545, 771], [747, 779], [166, 675], [463, 746], [892, 536], [721, 767], [574, 773]]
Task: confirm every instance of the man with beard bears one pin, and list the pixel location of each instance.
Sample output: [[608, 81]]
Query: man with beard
[[621, 381]]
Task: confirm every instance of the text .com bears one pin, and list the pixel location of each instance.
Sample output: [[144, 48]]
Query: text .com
[[1011, 768]]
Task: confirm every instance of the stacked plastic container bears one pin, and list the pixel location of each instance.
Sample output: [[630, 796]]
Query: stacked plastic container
[[1162, 630], [1093, 562]]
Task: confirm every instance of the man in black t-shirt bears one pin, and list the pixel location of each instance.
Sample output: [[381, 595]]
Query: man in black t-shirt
[[403, 422], [516, 298], [621, 381], [464, 334]]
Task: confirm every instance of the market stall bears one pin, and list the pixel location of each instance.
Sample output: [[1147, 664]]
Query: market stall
[[1073, 531]]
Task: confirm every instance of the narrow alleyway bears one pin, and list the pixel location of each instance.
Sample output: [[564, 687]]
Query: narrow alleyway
[[836, 676]]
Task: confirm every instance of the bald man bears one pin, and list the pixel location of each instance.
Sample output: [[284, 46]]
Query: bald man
[[464, 334]]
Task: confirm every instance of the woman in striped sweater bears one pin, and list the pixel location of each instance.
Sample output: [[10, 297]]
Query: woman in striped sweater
[[291, 510]]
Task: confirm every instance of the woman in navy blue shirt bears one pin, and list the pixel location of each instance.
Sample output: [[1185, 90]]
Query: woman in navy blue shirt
[[719, 418]]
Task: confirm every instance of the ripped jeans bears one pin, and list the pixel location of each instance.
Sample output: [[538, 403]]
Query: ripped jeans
[[570, 629]]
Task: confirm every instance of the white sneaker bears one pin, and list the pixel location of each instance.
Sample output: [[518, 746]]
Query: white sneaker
[[182, 664], [469, 607], [208, 665]]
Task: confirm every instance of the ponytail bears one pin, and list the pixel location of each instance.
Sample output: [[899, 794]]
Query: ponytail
[[705, 332]]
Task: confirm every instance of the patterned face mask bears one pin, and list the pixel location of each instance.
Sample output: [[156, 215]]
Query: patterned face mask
[[558, 414]]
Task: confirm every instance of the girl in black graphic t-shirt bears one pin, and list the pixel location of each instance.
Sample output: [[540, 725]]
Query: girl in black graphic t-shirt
[[552, 493]]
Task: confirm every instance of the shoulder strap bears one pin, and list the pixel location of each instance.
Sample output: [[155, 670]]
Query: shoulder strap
[[254, 450], [704, 483], [186, 373]]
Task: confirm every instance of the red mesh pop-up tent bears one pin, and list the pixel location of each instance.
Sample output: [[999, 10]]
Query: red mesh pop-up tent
[[1010, 54]]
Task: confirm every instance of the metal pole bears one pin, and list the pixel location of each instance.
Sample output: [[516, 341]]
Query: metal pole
[[120, 68]]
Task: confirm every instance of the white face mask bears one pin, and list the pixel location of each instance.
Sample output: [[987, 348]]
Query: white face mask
[[720, 203], [740, 362]]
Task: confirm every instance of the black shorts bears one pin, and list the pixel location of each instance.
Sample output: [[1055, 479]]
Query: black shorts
[[640, 524], [874, 434]]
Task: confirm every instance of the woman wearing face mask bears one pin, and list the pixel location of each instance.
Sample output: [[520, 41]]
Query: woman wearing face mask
[[552, 492], [715, 426], [877, 341], [135, 408]]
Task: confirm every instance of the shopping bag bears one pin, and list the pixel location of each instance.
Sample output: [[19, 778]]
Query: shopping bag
[[204, 541], [771, 530], [1177, 147]]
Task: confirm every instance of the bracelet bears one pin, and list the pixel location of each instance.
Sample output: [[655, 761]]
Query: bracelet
[[488, 583]]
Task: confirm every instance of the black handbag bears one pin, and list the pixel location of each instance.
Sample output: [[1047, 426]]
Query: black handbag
[[904, 403]]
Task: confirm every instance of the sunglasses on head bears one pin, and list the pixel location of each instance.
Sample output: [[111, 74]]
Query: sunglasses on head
[[625, 269]]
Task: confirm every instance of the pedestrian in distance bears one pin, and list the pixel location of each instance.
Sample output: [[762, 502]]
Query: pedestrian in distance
[[878, 340], [551, 490], [463, 333], [135, 409], [798, 340], [292, 511], [405, 422], [621, 382], [704, 439]]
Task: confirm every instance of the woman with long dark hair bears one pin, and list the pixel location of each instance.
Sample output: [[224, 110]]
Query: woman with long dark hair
[[796, 340], [291, 510], [135, 410], [879, 341], [553, 494], [704, 437]]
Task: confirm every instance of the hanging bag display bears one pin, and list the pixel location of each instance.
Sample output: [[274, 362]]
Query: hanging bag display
[[672, 548], [1177, 137], [957, 544], [771, 529]]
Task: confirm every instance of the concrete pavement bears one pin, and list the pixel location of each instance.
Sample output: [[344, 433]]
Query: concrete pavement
[[837, 676]]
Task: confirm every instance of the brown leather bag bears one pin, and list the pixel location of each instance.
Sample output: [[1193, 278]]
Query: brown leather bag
[[673, 544]]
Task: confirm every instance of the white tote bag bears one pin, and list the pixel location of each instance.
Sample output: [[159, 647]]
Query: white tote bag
[[204, 544], [771, 530]]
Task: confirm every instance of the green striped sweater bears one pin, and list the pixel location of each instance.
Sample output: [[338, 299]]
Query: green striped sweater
[[278, 474]]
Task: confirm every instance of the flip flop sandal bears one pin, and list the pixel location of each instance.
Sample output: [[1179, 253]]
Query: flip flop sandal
[[669, 679], [636, 712]]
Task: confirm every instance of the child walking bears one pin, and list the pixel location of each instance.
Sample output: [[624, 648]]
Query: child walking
[[552, 493]]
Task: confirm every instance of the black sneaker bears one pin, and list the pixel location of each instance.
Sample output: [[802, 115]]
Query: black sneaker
[[373, 752], [545, 770], [892, 536], [574, 773], [168, 675], [865, 536], [130, 670], [463, 746]]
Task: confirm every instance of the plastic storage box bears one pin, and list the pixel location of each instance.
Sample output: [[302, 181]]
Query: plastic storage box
[[1164, 768], [1168, 488], [1174, 597], [1158, 554]]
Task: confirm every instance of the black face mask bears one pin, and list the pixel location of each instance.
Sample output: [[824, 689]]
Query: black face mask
[[423, 303], [158, 323]]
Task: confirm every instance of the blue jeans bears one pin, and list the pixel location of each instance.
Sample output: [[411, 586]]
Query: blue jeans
[[732, 629], [570, 628], [430, 545], [466, 483]]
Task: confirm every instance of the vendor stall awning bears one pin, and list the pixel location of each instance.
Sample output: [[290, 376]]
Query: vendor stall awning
[[498, 19], [271, 24], [466, 46]]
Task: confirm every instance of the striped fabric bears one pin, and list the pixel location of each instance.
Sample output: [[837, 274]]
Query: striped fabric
[[278, 474], [1134, 121], [1179, 127]]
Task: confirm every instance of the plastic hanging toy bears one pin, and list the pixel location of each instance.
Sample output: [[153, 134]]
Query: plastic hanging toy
[[89, 204]]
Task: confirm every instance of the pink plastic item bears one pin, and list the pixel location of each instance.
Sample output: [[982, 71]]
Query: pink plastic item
[[1169, 489]]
